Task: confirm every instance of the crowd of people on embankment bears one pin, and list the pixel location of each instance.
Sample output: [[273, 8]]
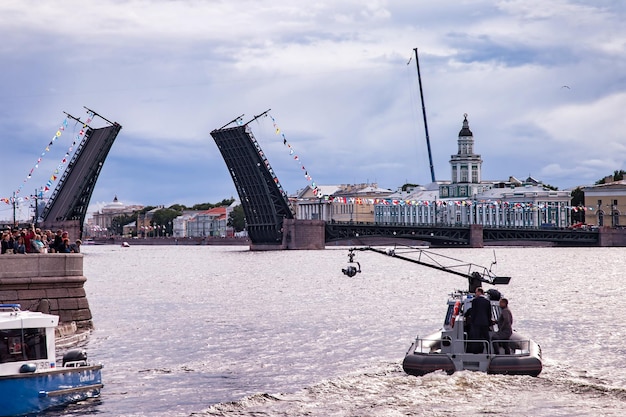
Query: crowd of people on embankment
[[34, 240]]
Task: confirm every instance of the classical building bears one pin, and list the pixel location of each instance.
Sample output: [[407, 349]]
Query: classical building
[[468, 199], [605, 204], [100, 222], [341, 203]]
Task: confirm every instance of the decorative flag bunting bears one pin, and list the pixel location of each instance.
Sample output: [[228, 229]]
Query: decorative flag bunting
[[444, 203], [59, 168], [277, 130]]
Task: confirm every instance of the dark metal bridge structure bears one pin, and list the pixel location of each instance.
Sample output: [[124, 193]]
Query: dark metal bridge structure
[[265, 203], [443, 235], [67, 207]]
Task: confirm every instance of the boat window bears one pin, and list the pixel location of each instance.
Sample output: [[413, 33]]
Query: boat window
[[22, 345]]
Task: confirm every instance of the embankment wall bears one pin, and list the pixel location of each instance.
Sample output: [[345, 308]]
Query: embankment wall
[[50, 283]]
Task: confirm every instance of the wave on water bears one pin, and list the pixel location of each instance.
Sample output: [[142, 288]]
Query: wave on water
[[387, 391]]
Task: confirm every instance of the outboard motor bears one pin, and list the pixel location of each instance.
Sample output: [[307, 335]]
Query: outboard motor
[[75, 357]]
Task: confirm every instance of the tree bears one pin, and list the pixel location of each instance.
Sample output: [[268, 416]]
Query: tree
[[118, 222], [578, 200], [207, 206], [236, 219], [617, 176], [164, 218]]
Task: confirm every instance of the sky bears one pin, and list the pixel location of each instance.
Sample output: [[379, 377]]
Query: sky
[[543, 84]]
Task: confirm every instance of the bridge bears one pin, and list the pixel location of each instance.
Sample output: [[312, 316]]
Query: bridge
[[271, 223], [67, 207], [469, 236], [265, 203]]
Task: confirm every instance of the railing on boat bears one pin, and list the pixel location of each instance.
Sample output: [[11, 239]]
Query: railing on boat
[[433, 346]]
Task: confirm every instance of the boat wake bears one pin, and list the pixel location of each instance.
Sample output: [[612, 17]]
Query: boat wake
[[387, 390]]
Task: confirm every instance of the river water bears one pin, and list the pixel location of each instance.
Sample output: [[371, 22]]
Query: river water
[[223, 331]]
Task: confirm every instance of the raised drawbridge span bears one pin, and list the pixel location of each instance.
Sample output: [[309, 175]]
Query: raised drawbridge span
[[264, 201], [67, 207]]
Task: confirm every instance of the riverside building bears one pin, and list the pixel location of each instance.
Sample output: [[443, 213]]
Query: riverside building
[[463, 200]]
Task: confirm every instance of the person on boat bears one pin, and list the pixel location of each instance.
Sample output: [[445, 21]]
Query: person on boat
[[505, 326], [479, 320]]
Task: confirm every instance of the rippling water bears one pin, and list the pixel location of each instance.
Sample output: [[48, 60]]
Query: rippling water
[[208, 330]]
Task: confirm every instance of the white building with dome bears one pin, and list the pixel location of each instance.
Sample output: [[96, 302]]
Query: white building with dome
[[100, 223]]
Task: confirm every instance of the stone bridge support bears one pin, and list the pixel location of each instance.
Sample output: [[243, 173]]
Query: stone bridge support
[[304, 234], [476, 236]]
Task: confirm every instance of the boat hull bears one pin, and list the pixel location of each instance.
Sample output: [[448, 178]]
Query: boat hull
[[35, 392], [428, 355], [421, 364]]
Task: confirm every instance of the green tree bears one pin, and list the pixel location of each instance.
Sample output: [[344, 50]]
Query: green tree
[[578, 200], [408, 185], [617, 176], [118, 222], [207, 206], [164, 219], [236, 219]]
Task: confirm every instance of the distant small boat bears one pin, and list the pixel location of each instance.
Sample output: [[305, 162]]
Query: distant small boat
[[30, 380], [125, 245]]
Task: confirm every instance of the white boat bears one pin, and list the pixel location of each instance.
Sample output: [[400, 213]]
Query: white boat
[[30, 378], [450, 349], [125, 244]]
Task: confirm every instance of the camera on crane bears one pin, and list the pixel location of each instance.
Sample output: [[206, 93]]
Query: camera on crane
[[351, 270]]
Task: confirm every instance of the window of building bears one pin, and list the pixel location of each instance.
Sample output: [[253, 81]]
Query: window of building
[[464, 173]]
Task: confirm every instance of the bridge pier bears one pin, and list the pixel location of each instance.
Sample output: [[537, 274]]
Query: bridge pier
[[608, 236], [304, 234], [476, 236]]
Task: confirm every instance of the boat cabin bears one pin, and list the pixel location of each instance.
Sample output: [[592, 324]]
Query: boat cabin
[[26, 337]]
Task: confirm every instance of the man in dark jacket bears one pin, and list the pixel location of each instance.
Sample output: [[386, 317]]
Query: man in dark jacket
[[479, 320]]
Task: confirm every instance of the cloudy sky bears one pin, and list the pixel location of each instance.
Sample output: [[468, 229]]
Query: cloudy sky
[[543, 84]]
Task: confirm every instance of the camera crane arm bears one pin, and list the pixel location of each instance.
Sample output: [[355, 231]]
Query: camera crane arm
[[475, 274]]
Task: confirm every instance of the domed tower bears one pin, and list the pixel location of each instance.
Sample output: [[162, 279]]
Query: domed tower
[[466, 167]]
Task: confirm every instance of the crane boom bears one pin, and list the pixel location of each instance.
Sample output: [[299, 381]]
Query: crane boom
[[430, 155], [474, 273]]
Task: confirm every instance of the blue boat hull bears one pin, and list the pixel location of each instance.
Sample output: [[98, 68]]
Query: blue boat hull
[[34, 392]]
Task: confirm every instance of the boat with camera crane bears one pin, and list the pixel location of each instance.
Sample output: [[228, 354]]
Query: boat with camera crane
[[449, 348]]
